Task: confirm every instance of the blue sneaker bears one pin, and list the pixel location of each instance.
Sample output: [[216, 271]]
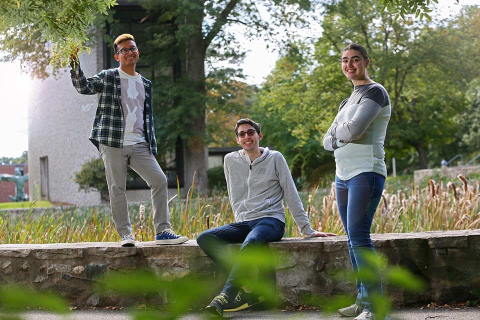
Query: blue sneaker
[[167, 236]]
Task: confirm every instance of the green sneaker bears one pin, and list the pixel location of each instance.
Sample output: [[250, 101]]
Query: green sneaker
[[350, 311], [242, 301]]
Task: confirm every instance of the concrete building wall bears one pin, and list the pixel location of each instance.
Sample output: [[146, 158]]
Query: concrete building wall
[[60, 121]]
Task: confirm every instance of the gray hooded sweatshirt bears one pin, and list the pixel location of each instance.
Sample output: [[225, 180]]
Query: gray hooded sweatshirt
[[256, 189]]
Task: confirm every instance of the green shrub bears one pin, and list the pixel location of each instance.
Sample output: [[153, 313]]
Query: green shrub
[[399, 183], [216, 179], [92, 177]]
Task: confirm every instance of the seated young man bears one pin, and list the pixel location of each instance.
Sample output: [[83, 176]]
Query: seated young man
[[258, 179]]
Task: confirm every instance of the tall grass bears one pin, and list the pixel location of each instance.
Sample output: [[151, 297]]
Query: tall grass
[[436, 206]]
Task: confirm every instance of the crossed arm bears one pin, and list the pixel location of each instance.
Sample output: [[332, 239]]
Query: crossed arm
[[341, 133]]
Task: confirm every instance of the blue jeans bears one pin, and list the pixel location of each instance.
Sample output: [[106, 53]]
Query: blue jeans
[[357, 200], [249, 233]]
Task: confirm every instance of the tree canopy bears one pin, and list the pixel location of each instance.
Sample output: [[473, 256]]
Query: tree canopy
[[422, 66], [23, 159], [42, 33], [187, 35]]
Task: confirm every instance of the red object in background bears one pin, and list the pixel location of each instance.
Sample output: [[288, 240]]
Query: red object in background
[[8, 188]]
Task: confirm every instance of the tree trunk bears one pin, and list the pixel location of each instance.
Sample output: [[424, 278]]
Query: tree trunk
[[196, 152], [422, 155]]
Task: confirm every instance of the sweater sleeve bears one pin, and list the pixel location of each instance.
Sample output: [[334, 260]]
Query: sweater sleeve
[[291, 196], [330, 142], [226, 171], [329, 139], [354, 128], [83, 85]]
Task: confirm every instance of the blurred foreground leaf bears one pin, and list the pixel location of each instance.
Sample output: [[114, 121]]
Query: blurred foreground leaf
[[255, 271], [381, 306], [403, 278], [181, 294], [14, 298]]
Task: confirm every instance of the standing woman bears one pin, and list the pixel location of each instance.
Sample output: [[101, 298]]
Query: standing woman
[[356, 137]]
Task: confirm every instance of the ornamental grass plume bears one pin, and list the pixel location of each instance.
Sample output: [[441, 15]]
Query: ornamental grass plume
[[141, 217]]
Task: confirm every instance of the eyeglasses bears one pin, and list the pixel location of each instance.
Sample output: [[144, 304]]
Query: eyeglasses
[[126, 50], [249, 132]]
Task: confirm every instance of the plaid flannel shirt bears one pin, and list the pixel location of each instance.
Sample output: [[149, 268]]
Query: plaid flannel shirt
[[108, 126]]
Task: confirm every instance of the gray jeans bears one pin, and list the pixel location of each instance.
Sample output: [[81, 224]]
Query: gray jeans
[[139, 158]]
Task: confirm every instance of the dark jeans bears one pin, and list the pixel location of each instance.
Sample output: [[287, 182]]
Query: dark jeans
[[357, 200], [249, 233]]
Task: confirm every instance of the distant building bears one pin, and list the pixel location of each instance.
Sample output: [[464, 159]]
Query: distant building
[[217, 155], [7, 189]]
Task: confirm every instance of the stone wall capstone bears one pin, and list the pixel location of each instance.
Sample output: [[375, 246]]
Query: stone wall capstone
[[451, 172], [447, 261]]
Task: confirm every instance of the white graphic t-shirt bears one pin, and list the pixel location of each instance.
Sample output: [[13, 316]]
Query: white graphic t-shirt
[[133, 98]]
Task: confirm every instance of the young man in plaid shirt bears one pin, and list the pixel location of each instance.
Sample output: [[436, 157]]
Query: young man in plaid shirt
[[124, 134]]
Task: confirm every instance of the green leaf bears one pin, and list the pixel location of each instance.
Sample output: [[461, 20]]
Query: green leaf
[[17, 298], [9, 317], [381, 306], [405, 279], [132, 283]]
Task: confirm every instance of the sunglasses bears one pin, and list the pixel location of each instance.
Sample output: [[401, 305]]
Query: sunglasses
[[249, 132], [125, 50]]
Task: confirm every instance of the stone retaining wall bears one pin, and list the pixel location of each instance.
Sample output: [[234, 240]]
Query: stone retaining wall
[[452, 172], [448, 261]]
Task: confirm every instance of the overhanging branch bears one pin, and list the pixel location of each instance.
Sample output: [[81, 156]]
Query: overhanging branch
[[220, 22], [237, 21]]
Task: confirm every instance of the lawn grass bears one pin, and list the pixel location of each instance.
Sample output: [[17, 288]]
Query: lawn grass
[[25, 205]]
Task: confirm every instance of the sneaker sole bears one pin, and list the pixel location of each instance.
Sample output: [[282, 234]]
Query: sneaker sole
[[172, 241], [128, 244], [212, 310], [348, 314], [241, 307]]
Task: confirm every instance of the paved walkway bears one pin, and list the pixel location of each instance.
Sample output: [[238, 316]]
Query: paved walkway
[[404, 314]]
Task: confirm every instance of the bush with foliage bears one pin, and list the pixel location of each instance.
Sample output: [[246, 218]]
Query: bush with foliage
[[92, 177], [216, 179]]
